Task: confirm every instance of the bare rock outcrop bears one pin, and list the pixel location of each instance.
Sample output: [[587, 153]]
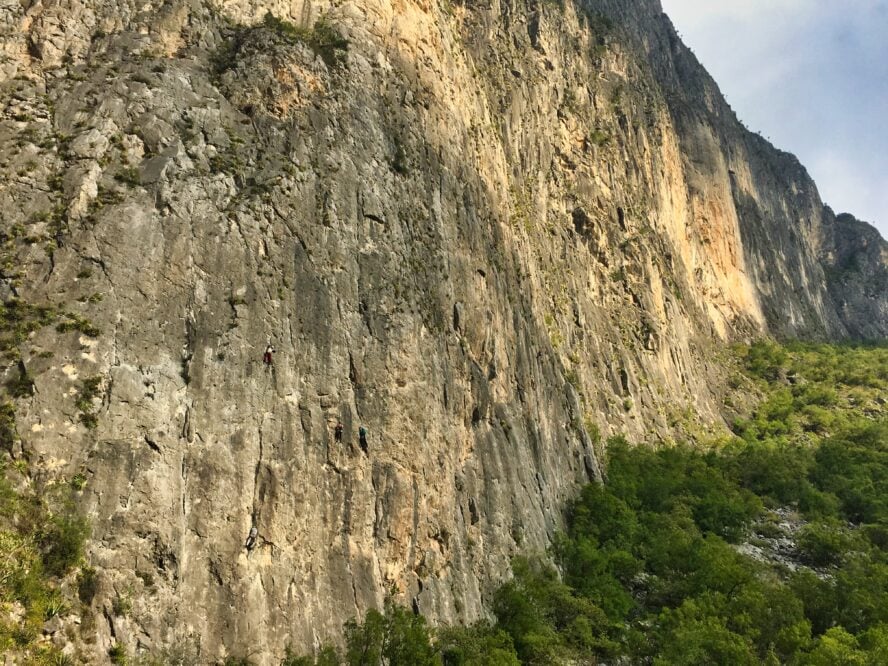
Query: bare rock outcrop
[[482, 231]]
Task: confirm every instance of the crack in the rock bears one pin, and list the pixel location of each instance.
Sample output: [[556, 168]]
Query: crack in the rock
[[256, 499]]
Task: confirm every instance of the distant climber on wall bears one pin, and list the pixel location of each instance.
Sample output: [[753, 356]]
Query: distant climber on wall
[[337, 432], [267, 357], [362, 438], [251, 539]]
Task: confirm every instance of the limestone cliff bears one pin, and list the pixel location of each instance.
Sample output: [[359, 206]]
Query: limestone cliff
[[477, 229]]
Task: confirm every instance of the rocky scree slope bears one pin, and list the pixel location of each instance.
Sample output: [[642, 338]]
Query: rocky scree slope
[[487, 232]]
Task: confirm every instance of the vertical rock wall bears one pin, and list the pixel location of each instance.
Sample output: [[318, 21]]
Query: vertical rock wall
[[482, 232]]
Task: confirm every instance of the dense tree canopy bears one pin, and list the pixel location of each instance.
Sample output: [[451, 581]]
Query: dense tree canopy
[[770, 549]]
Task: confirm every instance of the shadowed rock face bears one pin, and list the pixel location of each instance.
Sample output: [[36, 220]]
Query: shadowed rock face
[[855, 260], [477, 231]]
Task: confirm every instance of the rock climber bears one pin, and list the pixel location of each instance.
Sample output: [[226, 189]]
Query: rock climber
[[251, 539], [362, 438], [337, 432], [267, 357]]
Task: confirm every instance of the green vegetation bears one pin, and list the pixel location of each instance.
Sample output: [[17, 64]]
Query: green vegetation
[[19, 319], [397, 637], [122, 605], [41, 541], [599, 137], [117, 655], [770, 549], [73, 322], [78, 481], [8, 434], [322, 37], [87, 585], [41, 534], [618, 275], [89, 391], [129, 176], [227, 161], [21, 385]]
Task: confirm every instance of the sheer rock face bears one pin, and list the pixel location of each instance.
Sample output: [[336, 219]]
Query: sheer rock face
[[855, 260], [477, 231]]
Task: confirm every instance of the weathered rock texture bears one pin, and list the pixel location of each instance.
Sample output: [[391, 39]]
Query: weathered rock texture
[[478, 230]]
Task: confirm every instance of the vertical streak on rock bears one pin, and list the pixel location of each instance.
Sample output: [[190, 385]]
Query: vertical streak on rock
[[257, 495], [411, 551]]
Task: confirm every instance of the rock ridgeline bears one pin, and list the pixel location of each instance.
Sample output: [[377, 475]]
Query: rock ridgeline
[[488, 232]]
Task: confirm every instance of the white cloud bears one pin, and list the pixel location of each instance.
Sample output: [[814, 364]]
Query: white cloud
[[848, 187], [759, 24], [694, 13], [812, 76]]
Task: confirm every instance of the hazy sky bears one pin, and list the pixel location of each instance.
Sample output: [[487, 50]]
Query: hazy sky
[[812, 77]]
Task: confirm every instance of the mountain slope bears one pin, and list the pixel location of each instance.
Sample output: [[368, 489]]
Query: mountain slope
[[484, 232]]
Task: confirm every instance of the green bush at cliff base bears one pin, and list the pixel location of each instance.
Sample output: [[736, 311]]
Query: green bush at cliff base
[[655, 566], [38, 547], [398, 637]]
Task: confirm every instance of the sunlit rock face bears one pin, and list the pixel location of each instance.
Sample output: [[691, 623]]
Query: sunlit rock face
[[481, 231]]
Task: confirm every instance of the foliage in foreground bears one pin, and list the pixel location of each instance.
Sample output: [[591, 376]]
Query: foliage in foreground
[[656, 566], [41, 541]]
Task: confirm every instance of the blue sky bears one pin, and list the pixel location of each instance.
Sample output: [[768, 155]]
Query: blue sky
[[811, 76]]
